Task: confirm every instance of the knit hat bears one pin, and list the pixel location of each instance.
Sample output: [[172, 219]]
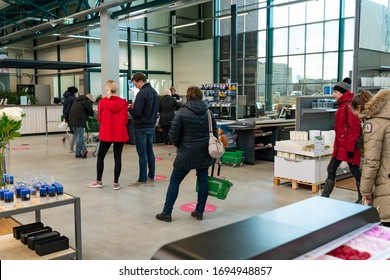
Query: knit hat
[[342, 87]]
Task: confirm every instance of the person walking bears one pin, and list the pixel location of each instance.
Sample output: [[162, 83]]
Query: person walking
[[375, 180], [112, 117], [69, 98], [144, 112], [167, 107], [79, 113], [347, 133], [190, 134]]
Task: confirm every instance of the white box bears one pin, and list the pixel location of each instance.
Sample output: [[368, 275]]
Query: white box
[[310, 171]]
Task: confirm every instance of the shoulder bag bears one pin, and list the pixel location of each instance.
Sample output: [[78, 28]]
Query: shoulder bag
[[216, 148]]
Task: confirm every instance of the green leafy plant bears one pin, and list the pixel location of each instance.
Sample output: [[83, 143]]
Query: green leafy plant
[[10, 123]]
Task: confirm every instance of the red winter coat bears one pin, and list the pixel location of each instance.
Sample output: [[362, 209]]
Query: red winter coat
[[347, 134], [113, 118]]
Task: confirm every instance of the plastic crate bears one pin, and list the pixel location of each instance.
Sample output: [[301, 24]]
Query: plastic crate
[[233, 157], [218, 187]]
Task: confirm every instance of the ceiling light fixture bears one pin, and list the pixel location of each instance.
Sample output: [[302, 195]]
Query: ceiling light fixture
[[184, 25]]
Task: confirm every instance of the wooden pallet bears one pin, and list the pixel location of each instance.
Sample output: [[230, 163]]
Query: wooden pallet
[[295, 183]]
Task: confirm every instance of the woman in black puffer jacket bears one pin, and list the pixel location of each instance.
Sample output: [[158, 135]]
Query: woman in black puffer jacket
[[190, 134]]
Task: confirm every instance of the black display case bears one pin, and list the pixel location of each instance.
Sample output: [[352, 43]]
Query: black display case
[[281, 234]]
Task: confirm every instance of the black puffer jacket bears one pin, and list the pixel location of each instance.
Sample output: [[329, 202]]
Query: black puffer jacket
[[80, 112], [190, 134], [69, 98], [167, 107]]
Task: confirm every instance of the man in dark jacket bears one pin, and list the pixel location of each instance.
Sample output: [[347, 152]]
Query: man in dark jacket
[[69, 98], [144, 113], [79, 113]]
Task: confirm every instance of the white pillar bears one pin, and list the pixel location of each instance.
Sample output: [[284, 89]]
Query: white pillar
[[109, 45]]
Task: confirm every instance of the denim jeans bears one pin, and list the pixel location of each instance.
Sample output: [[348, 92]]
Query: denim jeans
[[80, 143], [144, 144], [177, 177]]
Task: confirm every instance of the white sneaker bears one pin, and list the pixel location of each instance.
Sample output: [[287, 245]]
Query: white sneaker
[[116, 186]]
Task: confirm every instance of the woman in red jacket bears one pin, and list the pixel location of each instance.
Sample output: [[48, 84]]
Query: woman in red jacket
[[113, 118], [347, 130]]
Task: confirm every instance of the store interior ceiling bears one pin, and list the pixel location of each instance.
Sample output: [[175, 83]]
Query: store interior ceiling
[[67, 21]]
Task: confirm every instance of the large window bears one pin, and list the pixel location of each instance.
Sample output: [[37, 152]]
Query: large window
[[301, 53]]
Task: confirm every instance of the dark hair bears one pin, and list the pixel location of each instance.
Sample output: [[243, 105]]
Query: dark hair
[[139, 77], [194, 93], [359, 101], [73, 89]]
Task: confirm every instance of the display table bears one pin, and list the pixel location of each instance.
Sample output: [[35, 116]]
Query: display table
[[12, 249], [281, 234]]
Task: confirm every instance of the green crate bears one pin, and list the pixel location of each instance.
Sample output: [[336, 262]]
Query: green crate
[[218, 187], [233, 157]]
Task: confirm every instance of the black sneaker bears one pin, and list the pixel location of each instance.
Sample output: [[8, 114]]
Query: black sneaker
[[164, 217], [196, 215], [84, 154]]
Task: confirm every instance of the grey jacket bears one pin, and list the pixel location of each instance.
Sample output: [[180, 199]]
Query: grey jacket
[[376, 166]]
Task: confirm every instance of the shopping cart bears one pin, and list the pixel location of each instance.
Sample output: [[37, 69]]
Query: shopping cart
[[92, 134]]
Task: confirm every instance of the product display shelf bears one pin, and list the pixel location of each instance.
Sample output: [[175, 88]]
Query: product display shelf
[[285, 233], [346, 239], [325, 152], [12, 249]]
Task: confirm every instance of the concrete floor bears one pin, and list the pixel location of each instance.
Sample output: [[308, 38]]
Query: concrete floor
[[121, 225]]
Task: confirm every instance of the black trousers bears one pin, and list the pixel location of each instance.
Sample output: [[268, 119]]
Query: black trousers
[[165, 131], [103, 149], [335, 163]]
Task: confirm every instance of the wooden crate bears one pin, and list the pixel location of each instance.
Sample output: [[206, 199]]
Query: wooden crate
[[296, 183]]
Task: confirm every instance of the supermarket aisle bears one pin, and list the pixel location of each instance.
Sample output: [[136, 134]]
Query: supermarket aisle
[[121, 224]]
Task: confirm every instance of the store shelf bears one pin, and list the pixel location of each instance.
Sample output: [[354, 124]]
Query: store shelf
[[305, 153], [13, 249], [23, 252]]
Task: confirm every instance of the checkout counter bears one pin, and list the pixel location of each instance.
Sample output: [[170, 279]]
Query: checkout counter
[[256, 136]]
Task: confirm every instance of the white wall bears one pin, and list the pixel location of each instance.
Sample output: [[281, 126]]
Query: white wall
[[193, 65]]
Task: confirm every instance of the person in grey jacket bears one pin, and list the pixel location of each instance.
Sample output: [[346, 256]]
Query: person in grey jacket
[[375, 180], [190, 134]]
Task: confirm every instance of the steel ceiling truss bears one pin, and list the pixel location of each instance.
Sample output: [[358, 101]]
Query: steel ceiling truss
[[26, 20]]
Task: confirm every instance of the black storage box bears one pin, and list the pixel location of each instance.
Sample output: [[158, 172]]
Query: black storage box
[[51, 245], [47, 235], [24, 235], [17, 230]]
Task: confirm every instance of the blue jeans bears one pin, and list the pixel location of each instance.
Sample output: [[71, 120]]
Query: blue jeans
[[173, 189], [144, 144], [80, 143]]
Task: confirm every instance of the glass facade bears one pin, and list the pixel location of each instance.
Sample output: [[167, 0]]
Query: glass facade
[[285, 49]]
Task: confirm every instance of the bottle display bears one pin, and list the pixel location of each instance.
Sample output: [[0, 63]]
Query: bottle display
[[221, 99]]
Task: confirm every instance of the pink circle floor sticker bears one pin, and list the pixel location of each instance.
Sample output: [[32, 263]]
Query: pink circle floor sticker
[[20, 149], [159, 158], [160, 177], [189, 207]]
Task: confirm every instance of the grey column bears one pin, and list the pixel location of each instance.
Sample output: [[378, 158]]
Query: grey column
[[109, 45]]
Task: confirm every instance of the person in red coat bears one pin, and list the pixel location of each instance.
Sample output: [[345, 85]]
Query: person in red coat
[[112, 117], [347, 130]]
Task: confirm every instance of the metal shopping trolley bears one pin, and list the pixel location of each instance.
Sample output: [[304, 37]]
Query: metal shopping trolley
[[92, 134]]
